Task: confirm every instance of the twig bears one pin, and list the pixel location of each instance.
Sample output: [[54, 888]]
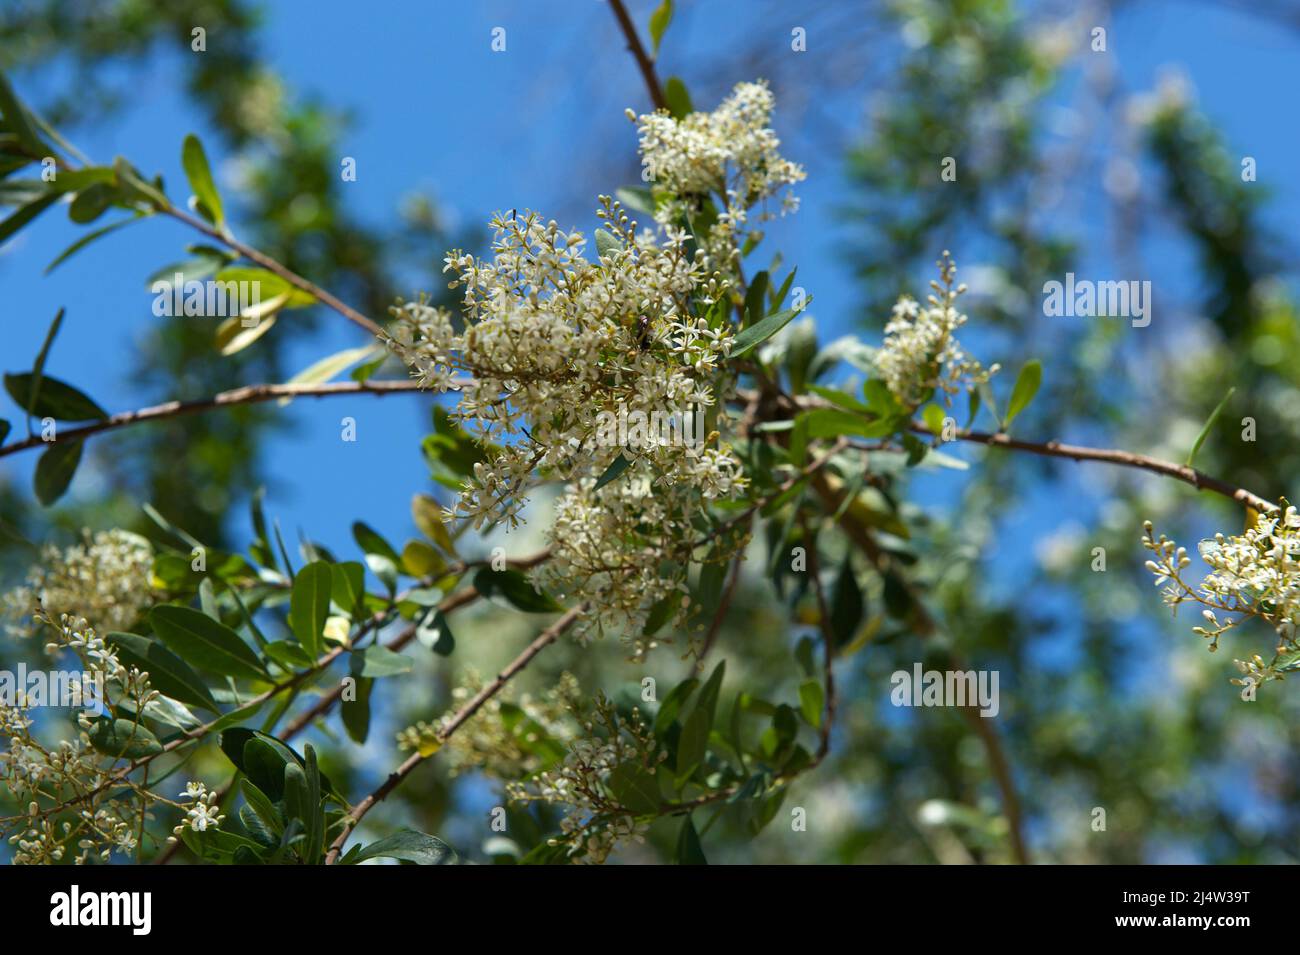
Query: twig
[[1057, 449], [643, 61], [248, 394], [271, 265], [545, 639]]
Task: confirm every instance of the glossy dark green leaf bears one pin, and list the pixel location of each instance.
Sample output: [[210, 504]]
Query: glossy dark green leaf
[[435, 633], [616, 467], [513, 587], [55, 469], [410, 846], [635, 789], [753, 336], [54, 399], [677, 98], [204, 643], [124, 739], [356, 711], [168, 673], [847, 605], [689, 850]]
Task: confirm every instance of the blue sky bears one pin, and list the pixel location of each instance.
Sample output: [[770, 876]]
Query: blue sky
[[437, 110]]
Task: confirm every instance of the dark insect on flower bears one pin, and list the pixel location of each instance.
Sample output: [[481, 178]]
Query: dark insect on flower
[[643, 332]]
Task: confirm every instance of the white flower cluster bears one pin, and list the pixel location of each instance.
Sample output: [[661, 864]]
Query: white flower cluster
[[920, 354], [105, 579], [200, 808], [1252, 575], [106, 811], [594, 823], [556, 345], [731, 152]]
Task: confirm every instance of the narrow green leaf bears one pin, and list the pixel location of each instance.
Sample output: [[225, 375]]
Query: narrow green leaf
[[1209, 425], [616, 467], [408, 845], [677, 98], [19, 121], [756, 334], [811, 701], [689, 850], [25, 214], [1027, 382], [87, 239], [659, 21], [195, 162]]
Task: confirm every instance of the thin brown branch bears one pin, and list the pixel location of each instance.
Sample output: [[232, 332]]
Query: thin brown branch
[[545, 639], [248, 394], [643, 61], [271, 265], [1057, 449]]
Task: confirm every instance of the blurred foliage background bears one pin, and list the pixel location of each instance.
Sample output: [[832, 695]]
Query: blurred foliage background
[[1063, 165]]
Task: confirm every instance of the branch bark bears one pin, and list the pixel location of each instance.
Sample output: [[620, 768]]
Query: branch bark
[[643, 61], [394, 779]]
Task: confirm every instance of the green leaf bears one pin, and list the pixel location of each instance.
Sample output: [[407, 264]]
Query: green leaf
[[933, 417], [708, 698], [689, 850], [1209, 425], [329, 367], [607, 243], [693, 743], [847, 605], [755, 296], [19, 121], [616, 467], [86, 240], [25, 214], [289, 655], [659, 21], [205, 643], [380, 556], [427, 514], [673, 703], [309, 605], [1027, 382], [348, 586], [261, 804], [635, 789], [812, 700], [677, 98], [195, 162], [833, 422], [514, 588], [435, 633], [54, 399], [124, 739], [378, 661], [168, 673], [4, 430], [356, 712], [91, 203], [55, 469], [756, 334], [410, 846]]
